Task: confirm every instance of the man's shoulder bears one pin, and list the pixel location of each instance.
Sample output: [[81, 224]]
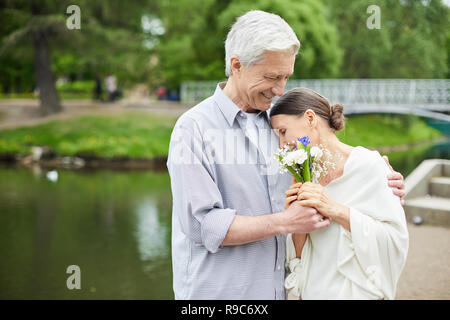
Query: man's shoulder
[[204, 110]]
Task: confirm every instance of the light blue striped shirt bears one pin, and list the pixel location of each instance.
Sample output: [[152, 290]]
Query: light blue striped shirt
[[217, 172]]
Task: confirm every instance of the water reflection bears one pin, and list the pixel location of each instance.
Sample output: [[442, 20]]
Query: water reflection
[[406, 161], [114, 225], [150, 234]]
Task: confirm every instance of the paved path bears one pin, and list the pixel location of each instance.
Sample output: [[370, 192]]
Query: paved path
[[25, 112], [427, 270]]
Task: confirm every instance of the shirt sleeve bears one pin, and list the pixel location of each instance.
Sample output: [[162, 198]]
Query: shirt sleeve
[[197, 202], [374, 253]]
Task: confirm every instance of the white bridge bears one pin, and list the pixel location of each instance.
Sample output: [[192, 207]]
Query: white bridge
[[428, 98]]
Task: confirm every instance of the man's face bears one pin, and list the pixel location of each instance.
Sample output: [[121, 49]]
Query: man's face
[[265, 79]]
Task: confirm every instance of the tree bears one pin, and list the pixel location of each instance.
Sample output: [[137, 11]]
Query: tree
[[110, 38], [192, 48], [320, 54], [409, 44]]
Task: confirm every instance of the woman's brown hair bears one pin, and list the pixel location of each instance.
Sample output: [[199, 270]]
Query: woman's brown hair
[[298, 100]]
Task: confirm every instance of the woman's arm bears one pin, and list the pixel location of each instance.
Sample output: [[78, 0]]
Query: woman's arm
[[297, 238], [299, 241]]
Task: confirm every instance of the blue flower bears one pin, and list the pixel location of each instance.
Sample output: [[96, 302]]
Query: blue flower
[[304, 141]]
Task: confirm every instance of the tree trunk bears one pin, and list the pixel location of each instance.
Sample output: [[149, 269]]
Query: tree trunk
[[44, 79]]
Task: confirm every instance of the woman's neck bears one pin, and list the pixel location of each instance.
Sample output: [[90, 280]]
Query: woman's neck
[[339, 154], [335, 146]]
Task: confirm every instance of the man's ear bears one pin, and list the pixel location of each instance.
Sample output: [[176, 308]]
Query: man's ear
[[236, 65]]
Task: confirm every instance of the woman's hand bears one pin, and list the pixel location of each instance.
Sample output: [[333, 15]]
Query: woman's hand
[[314, 195], [291, 193]]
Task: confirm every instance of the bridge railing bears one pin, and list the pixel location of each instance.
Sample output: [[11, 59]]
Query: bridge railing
[[434, 93]]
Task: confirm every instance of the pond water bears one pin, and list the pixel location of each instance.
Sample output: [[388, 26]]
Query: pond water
[[114, 225]]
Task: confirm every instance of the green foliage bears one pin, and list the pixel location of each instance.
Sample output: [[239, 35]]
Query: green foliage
[[193, 46], [411, 41], [382, 130], [110, 40], [76, 86], [137, 135], [320, 54]]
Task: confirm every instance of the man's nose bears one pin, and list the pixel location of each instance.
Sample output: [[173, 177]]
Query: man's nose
[[278, 90]]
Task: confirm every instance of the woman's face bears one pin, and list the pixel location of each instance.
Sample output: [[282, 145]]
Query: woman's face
[[290, 127]]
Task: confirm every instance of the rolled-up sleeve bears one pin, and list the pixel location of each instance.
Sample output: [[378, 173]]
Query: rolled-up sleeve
[[197, 202]]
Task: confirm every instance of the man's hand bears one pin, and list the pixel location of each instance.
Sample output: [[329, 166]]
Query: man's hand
[[395, 181], [299, 219]]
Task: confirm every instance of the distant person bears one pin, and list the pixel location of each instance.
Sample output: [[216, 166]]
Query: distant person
[[98, 90], [111, 87], [173, 95], [161, 93]]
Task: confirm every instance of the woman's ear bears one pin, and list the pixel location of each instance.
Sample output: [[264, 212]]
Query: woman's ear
[[311, 118]]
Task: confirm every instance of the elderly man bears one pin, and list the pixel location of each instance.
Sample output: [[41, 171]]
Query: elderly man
[[229, 221]]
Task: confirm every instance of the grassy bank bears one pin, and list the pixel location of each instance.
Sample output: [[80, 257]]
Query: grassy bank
[[144, 135], [135, 135], [382, 130]]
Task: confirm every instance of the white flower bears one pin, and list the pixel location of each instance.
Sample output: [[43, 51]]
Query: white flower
[[316, 152], [297, 156]]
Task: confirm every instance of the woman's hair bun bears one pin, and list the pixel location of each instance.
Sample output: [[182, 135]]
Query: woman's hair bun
[[337, 119]]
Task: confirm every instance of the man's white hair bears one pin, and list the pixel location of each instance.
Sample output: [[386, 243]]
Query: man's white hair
[[256, 32]]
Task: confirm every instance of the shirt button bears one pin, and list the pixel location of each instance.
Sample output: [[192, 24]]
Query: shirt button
[[278, 267]]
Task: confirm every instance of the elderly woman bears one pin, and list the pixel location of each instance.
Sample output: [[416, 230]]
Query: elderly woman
[[363, 251]]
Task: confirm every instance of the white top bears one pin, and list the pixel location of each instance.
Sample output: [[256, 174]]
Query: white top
[[111, 83], [365, 263], [250, 127]]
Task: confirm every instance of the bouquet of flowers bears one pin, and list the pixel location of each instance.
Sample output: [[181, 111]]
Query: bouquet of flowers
[[306, 163]]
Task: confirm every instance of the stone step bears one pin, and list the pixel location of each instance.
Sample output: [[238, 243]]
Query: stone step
[[433, 210], [440, 187], [446, 170]]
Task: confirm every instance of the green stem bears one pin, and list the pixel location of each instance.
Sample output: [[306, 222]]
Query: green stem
[[292, 171], [306, 171], [295, 174]]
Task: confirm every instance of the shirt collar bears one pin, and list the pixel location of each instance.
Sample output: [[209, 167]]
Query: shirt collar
[[229, 109]]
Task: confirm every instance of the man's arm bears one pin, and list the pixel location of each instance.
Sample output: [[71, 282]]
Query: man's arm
[[296, 219]]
